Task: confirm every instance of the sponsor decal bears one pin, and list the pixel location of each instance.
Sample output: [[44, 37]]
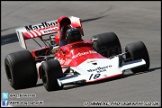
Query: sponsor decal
[[49, 30], [99, 69], [39, 26], [84, 53]]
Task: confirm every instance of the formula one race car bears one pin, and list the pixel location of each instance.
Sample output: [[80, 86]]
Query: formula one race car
[[78, 62]]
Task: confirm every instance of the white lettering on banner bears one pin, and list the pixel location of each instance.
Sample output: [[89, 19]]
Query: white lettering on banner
[[84, 53], [50, 30]]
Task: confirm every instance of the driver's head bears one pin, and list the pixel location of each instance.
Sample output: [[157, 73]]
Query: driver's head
[[73, 34]]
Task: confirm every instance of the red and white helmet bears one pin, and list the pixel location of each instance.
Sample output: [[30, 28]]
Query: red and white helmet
[[63, 21]]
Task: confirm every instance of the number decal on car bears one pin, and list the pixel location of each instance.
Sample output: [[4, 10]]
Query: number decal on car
[[94, 76]]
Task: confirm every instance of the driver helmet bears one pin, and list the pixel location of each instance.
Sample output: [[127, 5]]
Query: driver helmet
[[63, 21], [73, 34]]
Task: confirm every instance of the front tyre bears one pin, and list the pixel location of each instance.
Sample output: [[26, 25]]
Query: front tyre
[[50, 71], [138, 50], [20, 69], [107, 44]]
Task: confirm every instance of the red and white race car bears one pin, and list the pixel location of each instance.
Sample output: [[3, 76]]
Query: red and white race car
[[83, 61]]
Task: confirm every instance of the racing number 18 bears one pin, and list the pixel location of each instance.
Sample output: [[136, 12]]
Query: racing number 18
[[94, 76]]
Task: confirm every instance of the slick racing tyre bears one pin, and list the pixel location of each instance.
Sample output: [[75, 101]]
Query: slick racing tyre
[[50, 71], [21, 70], [138, 50], [107, 44]]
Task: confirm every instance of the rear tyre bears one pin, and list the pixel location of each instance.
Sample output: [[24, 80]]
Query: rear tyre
[[107, 44], [50, 71], [20, 69], [138, 50]]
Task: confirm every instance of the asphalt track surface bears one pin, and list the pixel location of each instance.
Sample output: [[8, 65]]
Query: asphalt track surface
[[131, 21]]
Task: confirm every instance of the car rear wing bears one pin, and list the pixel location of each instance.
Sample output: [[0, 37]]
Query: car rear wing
[[42, 29]]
